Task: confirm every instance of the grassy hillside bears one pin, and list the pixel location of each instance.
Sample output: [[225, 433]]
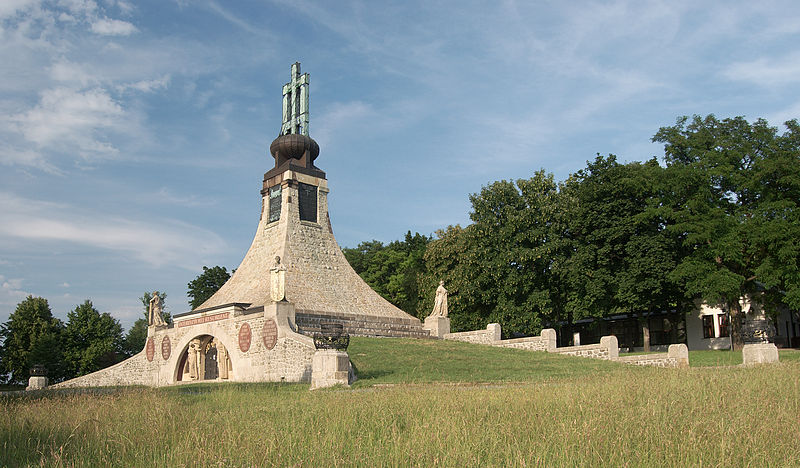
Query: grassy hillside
[[551, 411]]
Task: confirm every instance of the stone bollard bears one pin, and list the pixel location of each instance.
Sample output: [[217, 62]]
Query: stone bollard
[[610, 342], [495, 331], [681, 354], [38, 379], [549, 337], [329, 367], [759, 353]]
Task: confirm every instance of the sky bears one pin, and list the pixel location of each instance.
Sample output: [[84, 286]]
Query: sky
[[134, 135]]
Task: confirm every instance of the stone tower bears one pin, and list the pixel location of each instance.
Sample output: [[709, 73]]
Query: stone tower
[[294, 225]]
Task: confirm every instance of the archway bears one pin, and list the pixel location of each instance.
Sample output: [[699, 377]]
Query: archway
[[204, 358]]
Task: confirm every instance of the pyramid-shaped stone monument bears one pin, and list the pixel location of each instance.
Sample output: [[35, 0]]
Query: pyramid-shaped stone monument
[[293, 280]]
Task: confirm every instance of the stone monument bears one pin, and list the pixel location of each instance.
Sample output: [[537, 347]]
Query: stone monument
[[438, 323], [293, 278]]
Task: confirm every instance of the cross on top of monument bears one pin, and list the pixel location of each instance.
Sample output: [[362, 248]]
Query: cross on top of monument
[[295, 103]]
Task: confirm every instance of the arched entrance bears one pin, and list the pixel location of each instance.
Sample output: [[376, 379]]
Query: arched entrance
[[205, 358]]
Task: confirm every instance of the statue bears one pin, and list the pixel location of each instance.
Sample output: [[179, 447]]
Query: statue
[[155, 315], [193, 359], [440, 304], [223, 363], [278, 281]]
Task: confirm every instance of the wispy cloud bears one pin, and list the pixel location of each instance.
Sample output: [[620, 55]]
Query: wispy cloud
[[113, 27], [155, 241], [766, 71]]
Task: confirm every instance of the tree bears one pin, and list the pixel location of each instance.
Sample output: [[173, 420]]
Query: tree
[[734, 207], [623, 247], [135, 338], [206, 284], [30, 336], [146, 305], [394, 271], [92, 340]]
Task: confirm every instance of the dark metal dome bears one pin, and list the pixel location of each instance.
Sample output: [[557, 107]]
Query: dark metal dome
[[294, 146]]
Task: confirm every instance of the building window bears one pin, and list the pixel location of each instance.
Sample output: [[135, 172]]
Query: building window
[[307, 202], [708, 326], [724, 329], [274, 204]]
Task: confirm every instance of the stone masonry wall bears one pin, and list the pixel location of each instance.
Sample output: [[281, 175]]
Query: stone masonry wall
[[489, 336]]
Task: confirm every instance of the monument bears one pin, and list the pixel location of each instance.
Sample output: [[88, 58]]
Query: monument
[[293, 279], [438, 323]]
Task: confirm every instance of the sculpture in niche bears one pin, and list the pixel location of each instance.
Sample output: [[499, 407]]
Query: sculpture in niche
[[440, 304], [278, 281], [223, 362], [155, 313], [193, 359]]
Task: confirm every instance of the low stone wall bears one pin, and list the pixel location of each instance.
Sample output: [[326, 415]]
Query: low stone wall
[[544, 342], [676, 356], [607, 349], [490, 336]]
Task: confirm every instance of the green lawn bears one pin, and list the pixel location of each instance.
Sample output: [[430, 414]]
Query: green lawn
[[510, 408]]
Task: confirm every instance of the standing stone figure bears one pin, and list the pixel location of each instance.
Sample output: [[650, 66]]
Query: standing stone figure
[[278, 281], [155, 316], [440, 304], [222, 361], [193, 359]]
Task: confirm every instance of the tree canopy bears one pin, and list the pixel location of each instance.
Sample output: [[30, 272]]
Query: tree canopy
[[206, 284], [30, 337], [91, 340]]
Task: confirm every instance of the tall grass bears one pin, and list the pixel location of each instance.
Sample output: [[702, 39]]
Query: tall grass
[[618, 416]]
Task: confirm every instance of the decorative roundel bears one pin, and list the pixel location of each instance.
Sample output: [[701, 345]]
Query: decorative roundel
[[270, 334], [150, 349], [245, 335], [166, 348]]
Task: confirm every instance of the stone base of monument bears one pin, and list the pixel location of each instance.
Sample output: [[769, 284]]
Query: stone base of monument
[[330, 367], [759, 353], [437, 326], [36, 382]]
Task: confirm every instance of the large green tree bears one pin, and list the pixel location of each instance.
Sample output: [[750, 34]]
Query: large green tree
[[206, 284], [623, 252], [31, 336], [92, 340], [734, 206], [394, 271]]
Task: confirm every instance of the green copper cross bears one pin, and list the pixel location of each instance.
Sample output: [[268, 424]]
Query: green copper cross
[[295, 103]]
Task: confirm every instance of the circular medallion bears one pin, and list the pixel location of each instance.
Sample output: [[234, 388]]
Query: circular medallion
[[270, 334], [150, 349], [244, 337], [166, 348]]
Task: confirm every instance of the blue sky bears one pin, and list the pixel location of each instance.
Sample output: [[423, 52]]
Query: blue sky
[[134, 135]]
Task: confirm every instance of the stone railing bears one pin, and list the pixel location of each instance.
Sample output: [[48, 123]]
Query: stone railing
[[676, 356], [490, 336], [608, 348]]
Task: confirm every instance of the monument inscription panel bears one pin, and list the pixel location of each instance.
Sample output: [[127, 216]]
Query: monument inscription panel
[[150, 349], [270, 334], [245, 335], [166, 348]]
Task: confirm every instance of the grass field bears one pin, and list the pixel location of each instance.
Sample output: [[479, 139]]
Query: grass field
[[428, 403]]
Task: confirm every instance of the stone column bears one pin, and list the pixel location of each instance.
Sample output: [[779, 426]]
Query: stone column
[[437, 326], [759, 353], [330, 367]]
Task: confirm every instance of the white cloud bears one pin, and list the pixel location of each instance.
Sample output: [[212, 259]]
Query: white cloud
[[73, 117], [767, 72], [113, 27], [11, 7], [11, 291], [155, 241]]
